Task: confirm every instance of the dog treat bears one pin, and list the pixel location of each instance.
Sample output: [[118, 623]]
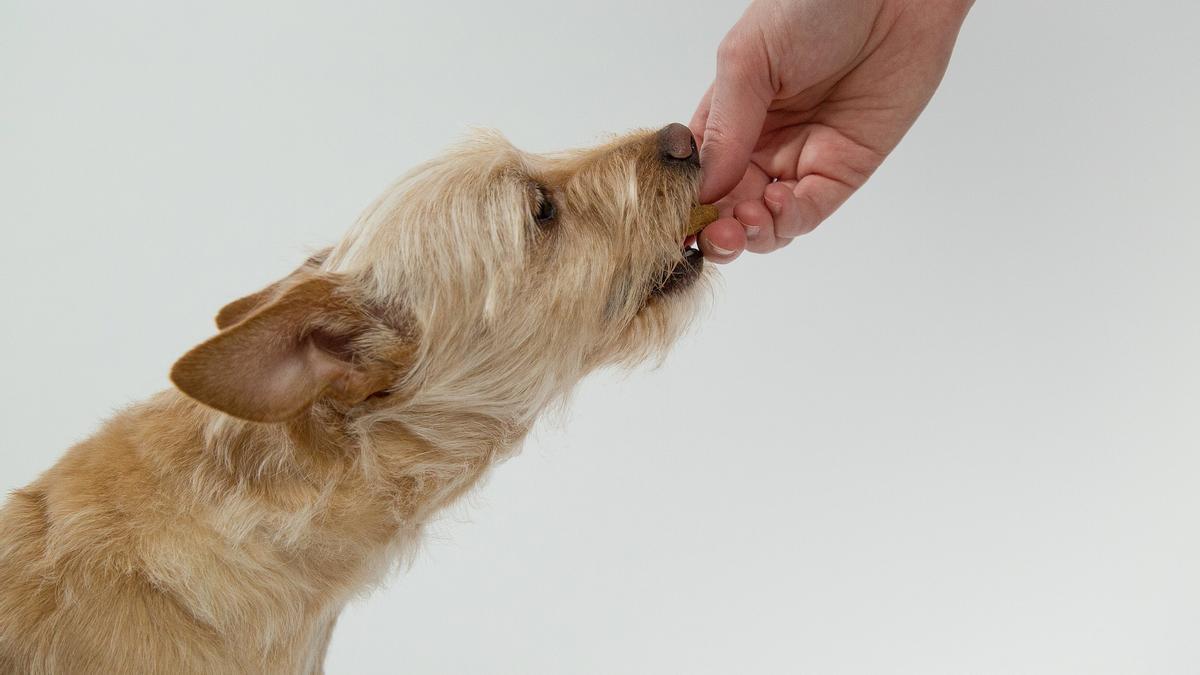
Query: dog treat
[[702, 215]]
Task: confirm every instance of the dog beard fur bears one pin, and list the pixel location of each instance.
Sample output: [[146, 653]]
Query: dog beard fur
[[341, 408]]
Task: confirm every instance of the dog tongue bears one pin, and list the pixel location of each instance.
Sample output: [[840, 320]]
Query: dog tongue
[[701, 216]]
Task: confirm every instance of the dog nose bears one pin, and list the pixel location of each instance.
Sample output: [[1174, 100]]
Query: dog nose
[[677, 144]]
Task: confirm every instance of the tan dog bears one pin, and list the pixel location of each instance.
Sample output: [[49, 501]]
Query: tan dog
[[222, 529]]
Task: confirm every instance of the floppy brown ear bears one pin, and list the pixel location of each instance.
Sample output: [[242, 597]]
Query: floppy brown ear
[[243, 307], [310, 341]]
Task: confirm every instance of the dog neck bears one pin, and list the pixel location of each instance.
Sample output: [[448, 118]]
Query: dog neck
[[326, 481], [262, 532]]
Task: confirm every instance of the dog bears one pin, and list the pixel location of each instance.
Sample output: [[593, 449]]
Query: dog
[[220, 527]]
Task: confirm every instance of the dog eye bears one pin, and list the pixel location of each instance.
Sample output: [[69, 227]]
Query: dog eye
[[545, 210]]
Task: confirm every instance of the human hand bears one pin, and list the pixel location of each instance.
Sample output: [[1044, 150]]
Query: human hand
[[810, 97]]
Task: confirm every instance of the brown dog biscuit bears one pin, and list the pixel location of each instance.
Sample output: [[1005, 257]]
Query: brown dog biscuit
[[702, 215]]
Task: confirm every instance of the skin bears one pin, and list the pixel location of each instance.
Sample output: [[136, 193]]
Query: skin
[[809, 98]]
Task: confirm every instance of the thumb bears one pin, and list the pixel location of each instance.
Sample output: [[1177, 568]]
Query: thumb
[[736, 111]]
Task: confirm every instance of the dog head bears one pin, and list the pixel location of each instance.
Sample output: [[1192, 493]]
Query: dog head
[[488, 279]]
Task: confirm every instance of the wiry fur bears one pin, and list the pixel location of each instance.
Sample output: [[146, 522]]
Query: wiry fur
[[182, 539]]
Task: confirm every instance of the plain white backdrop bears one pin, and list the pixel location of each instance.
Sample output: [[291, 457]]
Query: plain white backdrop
[[955, 430]]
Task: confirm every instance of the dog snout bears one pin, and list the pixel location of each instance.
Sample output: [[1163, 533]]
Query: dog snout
[[676, 143]]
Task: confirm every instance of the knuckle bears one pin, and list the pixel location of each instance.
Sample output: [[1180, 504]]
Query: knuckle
[[793, 232], [802, 228], [741, 57], [732, 49], [762, 244], [804, 219], [787, 226], [789, 229]]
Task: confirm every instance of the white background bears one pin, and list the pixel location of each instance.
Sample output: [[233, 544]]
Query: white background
[[955, 430]]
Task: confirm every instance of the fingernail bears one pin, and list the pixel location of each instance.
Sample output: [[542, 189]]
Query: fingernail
[[752, 231], [718, 250], [773, 205]]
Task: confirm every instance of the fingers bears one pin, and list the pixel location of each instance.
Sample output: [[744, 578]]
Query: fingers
[[786, 209], [790, 209], [733, 118], [723, 240], [759, 225], [800, 206]]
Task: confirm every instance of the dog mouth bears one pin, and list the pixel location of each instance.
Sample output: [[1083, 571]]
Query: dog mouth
[[682, 274], [685, 271]]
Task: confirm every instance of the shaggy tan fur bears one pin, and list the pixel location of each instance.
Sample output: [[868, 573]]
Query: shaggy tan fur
[[221, 527]]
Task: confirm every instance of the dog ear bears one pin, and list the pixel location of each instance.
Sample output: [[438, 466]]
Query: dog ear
[[310, 341], [243, 307]]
